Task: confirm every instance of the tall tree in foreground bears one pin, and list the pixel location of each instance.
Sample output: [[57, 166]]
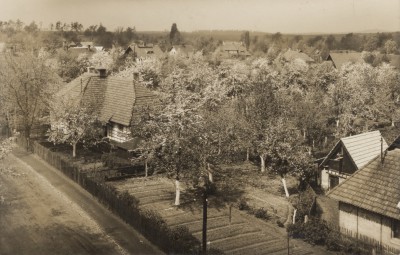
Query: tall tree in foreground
[[27, 83]]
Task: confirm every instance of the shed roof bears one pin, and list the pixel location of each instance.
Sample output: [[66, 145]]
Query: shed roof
[[375, 187], [362, 148]]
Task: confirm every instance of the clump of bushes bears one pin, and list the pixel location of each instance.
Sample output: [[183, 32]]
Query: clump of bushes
[[280, 224], [243, 205], [260, 213], [317, 232], [313, 232], [111, 160]]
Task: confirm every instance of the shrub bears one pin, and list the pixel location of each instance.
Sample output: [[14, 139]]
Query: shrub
[[111, 160], [280, 224], [296, 230], [261, 213], [181, 240], [242, 204], [333, 240], [129, 200], [316, 232]]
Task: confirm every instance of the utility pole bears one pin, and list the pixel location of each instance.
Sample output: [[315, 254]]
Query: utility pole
[[205, 204]]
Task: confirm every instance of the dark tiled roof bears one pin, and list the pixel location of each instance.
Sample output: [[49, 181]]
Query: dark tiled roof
[[145, 51], [361, 148], [112, 98], [375, 187]]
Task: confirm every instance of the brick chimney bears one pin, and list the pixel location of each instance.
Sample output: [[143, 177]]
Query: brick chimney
[[103, 72], [135, 76]]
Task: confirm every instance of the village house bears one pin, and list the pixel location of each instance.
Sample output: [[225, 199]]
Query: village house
[[144, 51], [291, 55], [348, 155], [183, 50], [232, 49], [117, 101], [339, 58], [369, 201]]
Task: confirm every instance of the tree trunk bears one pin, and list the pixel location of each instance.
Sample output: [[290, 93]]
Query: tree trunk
[[248, 154], [145, 168], [178, 192], [262, 163], [74, 150], [285, 187], [219, 145], [294, 216], [210, 175]]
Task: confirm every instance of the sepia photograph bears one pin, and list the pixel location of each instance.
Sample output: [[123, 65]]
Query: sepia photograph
[[200, 127]]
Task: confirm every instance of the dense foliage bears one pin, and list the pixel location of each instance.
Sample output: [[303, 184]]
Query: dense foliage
[[210, 109]]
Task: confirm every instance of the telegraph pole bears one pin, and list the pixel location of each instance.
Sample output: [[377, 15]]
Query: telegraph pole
[[205, 204]]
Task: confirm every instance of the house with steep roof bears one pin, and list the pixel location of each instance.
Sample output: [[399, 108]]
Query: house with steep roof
[[339, 58], [291, 55], [369, 202], [144, 51], [231, 50], [117, 102], [183, 50], [348, 155]]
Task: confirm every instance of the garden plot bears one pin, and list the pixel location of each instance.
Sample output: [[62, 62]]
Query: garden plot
[[243, 234], [276, 206]]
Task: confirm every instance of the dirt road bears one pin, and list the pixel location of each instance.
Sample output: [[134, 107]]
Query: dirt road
[[43, 212]]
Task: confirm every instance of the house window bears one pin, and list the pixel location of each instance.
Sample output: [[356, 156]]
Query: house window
[[396, 229], [333, 181]]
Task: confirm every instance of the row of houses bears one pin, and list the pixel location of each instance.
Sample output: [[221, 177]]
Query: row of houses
[[362, 173]]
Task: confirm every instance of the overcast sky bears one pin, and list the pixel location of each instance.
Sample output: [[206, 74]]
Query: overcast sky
[[285, 16]]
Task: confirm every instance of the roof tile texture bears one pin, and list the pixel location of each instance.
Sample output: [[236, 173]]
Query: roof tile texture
[[113, 99], [375, 187]]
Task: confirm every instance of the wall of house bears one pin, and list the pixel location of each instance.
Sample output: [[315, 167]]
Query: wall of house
[[361, 223], [324, 179], [118, 133]]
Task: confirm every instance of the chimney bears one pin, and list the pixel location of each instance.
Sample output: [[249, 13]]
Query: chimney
[[103, 72], [136, 76]]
